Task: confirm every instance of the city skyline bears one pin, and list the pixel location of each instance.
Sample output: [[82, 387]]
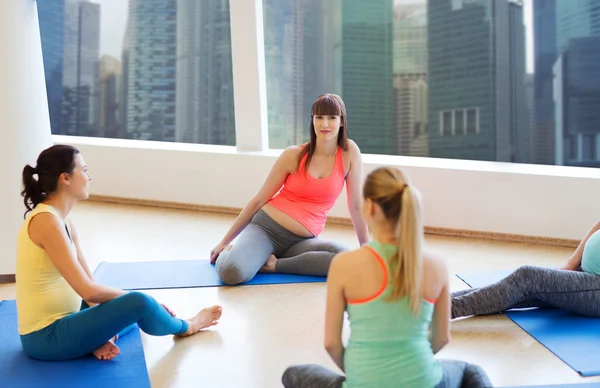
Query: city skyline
[[113, 26], [441, 79]]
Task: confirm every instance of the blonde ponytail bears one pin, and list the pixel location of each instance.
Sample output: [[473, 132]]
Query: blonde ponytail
[[390, 189], [407, 264]]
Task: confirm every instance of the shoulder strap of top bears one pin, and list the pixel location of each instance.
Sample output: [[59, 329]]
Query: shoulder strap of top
[[43, 208]]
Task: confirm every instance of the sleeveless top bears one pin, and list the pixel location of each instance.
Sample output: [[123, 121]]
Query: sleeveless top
[[590, 259], [388, 345], [43, 295], [307, 199]]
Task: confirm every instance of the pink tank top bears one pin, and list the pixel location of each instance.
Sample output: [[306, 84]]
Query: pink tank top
[[307, 199]]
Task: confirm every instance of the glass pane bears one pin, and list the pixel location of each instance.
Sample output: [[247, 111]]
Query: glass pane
[[459, 124], [399, 64], [447, 123], [139, 69], [471, 121]]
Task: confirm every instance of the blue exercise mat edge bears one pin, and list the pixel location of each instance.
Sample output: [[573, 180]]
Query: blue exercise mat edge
[[166, 274], [128, 370]]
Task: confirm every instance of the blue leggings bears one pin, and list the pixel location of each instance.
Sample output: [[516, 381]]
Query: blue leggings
[[80, 333]]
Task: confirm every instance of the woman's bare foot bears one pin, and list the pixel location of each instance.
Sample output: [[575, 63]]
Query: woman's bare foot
[[108, 351], [205, 318], [269, 265]]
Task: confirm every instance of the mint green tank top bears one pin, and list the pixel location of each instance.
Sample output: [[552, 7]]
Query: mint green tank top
[[388, 345], [590, 259]]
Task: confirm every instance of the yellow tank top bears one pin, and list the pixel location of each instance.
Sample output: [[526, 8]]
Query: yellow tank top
[[43, 295]]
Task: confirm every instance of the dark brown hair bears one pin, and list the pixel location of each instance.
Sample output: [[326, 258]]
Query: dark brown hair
[[325, 105], [51, 163]]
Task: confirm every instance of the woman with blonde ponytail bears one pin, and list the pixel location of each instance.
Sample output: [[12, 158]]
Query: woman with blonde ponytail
[[398, 302]]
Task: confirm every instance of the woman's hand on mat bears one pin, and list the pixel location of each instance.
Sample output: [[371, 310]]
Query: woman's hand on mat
[[217, 251], [168, 309]]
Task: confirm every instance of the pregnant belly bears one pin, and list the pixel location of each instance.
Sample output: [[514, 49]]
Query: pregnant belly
[[286, 221]]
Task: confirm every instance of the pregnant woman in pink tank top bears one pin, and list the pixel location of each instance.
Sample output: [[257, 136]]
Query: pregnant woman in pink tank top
[[278, 229]]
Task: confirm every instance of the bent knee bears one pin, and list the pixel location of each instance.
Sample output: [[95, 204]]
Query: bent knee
[[475, 377], [138, 300], [525, 271], [291, 374], [231, 274]]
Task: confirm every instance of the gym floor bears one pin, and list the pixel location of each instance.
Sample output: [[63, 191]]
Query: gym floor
[[266, 328]]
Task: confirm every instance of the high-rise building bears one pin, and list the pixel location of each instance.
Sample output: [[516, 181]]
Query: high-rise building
[[302, 61], [151, 65], [556, 25], [110, 80], [475, 79], [80, 77], [122, 132], [205, 105], [368, 74], [88, 100], [410, 77], [52, 19], [529, 93], [520, 139], [577, 103]]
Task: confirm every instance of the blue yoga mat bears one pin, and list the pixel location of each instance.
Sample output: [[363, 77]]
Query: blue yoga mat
[[128, 370], [573, 338], [149, 275]]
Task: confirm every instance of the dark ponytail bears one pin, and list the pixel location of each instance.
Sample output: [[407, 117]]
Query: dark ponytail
[[32, 192], [51, 163]]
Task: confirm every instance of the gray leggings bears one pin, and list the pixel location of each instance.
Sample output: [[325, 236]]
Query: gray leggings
[[263, 237], [456, 374], [530, 286]]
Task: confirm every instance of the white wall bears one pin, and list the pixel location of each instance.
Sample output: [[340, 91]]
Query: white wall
[[550, 201], [24, 120]]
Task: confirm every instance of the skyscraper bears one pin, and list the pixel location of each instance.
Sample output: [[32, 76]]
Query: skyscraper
[[519, 120], [544, 27], [205, 106], [110, 80], [410, 77], [302, 61], [151, 65], [52, 19], [577, 103], [557, 25], [368, 74], [80, 77], [476, 79], [88, 85]]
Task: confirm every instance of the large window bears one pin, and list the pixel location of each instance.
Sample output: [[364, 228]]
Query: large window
[[139, 69], [494, 80]]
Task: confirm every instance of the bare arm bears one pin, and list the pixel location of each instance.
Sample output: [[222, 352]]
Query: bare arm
[[279, 172], [440, 325], [575, 259], [354, 182], [334, 316], [48, 232], [80, 256]]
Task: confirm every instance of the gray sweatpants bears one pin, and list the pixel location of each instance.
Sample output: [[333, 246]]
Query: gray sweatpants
[[263, 237], [530, 286], [456, 374]]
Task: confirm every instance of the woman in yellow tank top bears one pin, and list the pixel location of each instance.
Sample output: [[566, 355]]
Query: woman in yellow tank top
[[63, 313], [398, 303]]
